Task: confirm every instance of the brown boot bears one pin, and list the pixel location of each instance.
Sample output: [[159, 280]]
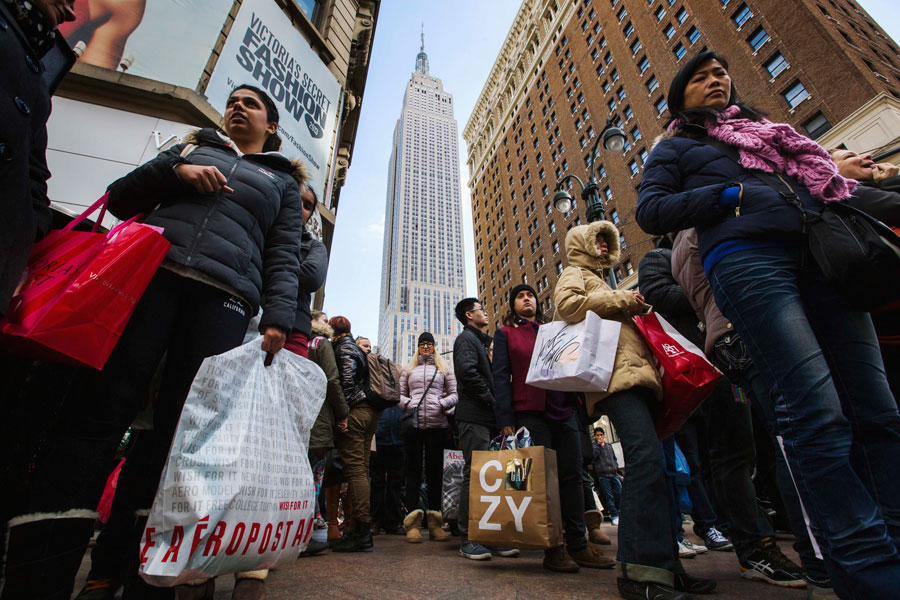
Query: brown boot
[[332, 501], [557, 559], [411, 524], [592, 558], [250, 586], [593, 519], [435, 531], [196, 590]]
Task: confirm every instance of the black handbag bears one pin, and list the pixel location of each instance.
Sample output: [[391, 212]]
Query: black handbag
[[858, 254], [410, 419]]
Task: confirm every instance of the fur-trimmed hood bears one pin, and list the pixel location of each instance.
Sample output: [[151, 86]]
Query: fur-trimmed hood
[[319, 328], [207, 136], [581, 247]]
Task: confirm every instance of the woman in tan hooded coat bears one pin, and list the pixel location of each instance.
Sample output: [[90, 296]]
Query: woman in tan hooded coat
[[647, 554]]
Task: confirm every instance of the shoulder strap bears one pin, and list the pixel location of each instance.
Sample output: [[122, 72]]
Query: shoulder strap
[[773, 181]]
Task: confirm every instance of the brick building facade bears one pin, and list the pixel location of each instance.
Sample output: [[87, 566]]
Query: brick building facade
[[568, 65]]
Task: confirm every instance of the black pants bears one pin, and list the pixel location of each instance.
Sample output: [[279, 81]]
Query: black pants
[[182, 318], [387, 484], [430, 443], [563, 436]]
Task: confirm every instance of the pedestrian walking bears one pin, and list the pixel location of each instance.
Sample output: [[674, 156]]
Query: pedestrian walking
[[820, 354], [606, 474]]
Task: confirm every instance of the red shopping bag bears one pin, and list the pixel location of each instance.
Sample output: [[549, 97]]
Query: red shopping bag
[[79, 290], [109, 492], [687, 376]]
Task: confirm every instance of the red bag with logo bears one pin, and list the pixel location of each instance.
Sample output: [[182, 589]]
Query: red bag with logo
[[79, 290], [687, 376]]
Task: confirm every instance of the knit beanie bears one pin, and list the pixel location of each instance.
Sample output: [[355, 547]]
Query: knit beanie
[[515, 292], [426, 337]]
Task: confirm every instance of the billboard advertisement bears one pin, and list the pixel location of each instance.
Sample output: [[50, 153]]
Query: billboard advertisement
[[264, 49], [165, 40]]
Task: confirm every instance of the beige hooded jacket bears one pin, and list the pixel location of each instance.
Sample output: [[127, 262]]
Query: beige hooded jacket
[[581, 288]]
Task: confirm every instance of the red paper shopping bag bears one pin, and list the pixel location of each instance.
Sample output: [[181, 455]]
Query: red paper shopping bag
[[687, 376], [79, 290]]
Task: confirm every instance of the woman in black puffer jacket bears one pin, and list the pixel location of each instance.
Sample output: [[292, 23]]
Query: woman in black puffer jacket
[[231, 208]]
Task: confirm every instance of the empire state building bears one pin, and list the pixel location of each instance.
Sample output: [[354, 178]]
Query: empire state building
[[423, 273]]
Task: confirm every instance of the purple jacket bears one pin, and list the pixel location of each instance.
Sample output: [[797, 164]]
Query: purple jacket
[[441, 395]]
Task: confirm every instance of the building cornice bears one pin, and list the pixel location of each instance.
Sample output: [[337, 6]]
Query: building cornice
[[528, 40]]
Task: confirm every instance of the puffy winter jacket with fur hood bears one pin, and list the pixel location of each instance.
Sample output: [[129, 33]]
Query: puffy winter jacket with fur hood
[[247, 241], [441, 395], [582, 288], [335, 407]]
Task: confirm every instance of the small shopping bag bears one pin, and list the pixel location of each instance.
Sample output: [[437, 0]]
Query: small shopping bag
[[687, 376], [80, 289], [514, 498], [574, 357], [451, 484]]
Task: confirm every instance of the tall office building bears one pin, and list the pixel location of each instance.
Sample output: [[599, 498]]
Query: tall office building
[[567, 66], [423, 272]]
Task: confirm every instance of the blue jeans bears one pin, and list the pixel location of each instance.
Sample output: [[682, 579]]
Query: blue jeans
[[836, 415], [609, 489], [647, 548]]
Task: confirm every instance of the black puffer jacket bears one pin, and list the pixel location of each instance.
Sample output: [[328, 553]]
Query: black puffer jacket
[[24, 109], [248, 240], [474, 378], [353, 367], [313, 269]]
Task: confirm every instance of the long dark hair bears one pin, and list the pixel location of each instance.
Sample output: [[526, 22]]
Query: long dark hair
[[273, 142], [702, 114]]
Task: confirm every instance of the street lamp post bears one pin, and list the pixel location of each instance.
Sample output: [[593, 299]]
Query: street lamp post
[[613, 140]]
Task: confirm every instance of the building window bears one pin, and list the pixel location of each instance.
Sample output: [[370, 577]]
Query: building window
[[611, 104], [621, 14], [555, 247], [693, 35], [629, 29], [759, 37], [817, 125], [607, 193], [652, 84], [629, 269], [742, 15], [669, 31], [635, 46], [776, 65], [795, 94], [622, 244], [620, 93], [605, 87], [643, 64], [681, 15], [679, 51], [635, 133], [660, 105], [628, 113], [614, 76], [633, 166], [614, 215], [660, 13]]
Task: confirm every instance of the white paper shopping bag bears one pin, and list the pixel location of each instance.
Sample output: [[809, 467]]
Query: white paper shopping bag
[[574, 357]]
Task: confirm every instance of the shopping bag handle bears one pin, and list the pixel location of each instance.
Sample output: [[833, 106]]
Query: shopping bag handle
[[101, 203]]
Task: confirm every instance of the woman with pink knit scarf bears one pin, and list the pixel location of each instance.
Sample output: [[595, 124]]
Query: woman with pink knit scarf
[[748, 185]]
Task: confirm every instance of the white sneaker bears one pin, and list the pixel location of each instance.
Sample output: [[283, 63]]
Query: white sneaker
[[685, 551], [698, 548], [615, 521]]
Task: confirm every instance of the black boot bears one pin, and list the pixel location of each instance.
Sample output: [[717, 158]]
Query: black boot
[[43, 555], [135, 587], [641, 590], [358, 541]]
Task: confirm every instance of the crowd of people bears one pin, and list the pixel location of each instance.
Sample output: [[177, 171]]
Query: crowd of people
[[732, 273]]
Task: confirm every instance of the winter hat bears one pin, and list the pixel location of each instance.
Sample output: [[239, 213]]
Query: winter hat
[[426, 337], [515, 292]]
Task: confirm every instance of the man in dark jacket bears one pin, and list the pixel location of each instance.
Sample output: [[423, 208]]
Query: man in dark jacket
[[606, 474], [28, 33], [475, 408]]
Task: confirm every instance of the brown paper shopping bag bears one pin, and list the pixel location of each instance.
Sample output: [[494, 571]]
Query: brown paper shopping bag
[[514, 498]]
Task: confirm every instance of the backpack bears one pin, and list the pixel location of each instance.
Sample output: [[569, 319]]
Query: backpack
[[384, 382]]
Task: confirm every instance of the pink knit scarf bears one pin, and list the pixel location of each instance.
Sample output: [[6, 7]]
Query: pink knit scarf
[[778, 148]]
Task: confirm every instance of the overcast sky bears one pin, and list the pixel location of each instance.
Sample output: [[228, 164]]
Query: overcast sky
[[462, 39]]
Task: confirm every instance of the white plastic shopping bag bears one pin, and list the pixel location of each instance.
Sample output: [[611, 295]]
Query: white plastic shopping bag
[[237, 492], [574, 357]]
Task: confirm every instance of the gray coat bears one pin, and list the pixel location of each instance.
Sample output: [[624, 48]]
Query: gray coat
[[313, 269], [24, 110], [248, 240]]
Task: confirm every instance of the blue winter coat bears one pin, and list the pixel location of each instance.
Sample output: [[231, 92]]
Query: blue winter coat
[[680, 189]]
